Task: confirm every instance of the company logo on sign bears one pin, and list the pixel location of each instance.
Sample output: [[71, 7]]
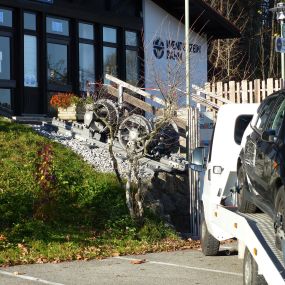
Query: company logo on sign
[[173, 50], [158, 48]]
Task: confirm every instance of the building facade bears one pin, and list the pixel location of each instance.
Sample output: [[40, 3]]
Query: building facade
[[49, 46]]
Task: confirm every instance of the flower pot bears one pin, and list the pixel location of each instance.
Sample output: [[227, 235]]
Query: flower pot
[[71, 113]]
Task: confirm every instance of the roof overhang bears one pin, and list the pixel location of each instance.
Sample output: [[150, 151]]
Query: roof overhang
[[203, 18]]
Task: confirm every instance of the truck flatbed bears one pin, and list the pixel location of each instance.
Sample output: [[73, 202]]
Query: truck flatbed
[[257, 233]]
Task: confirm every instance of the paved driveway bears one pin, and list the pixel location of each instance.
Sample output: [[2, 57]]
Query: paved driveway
[[173, 268]]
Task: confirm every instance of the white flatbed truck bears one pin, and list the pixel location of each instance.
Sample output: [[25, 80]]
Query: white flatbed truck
[[220, 220]]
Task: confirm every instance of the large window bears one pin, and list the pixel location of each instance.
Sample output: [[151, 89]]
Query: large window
[[132, 59], [5, 58], [30, 61], [86, 64], [57, 63], [109, 52], [58, 59]]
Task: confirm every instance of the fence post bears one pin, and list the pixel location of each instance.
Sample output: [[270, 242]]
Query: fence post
[[269, 86], [257, 91], [263, 89], [244, 92], [220, 91], [232, 92]]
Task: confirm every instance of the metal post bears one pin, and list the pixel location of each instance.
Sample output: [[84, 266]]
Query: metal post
[[189, 129], [282, 55], [187, 67]]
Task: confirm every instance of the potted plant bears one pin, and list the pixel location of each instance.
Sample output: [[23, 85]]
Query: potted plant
[[68, 106]]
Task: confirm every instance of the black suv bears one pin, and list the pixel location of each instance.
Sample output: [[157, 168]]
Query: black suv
[[261, 165]]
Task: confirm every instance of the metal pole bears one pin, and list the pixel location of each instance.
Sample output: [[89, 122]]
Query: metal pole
[[282, 55], [189, 130], [187, 66]]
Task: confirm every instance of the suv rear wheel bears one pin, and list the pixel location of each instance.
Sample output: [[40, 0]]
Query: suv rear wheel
[[243, 205]]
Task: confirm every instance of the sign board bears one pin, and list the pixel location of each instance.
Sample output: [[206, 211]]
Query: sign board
[[44, 1], [280, 45]]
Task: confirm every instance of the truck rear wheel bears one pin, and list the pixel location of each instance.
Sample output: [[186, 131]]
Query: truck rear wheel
[[280, 213], [243, 205], [250, 271], [210, 245]]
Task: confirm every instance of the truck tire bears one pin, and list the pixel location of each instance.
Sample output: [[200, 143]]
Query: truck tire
[[210, 245], [250, 271], [243, 205], [280, 209]]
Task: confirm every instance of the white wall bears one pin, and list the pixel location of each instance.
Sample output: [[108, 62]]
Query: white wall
[[161, 29]]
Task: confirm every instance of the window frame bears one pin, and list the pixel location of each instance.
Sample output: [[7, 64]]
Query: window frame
[[90, 42], [61, 40], [9, 84]]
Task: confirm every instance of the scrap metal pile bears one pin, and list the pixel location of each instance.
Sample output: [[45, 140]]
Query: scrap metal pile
[[132, 131]]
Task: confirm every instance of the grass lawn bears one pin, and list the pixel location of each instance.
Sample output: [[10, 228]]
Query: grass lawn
[[55, 207]]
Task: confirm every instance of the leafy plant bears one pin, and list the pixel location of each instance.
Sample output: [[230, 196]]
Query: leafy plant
[[46, 180], [64, 100]]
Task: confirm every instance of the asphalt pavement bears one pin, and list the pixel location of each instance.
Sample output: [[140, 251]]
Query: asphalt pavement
[[167, 268]]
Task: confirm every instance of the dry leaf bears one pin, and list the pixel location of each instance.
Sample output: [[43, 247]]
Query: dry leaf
[[2, 238], [138, 261], [23, 248], [115, 254], [18, 273], [79, 257]]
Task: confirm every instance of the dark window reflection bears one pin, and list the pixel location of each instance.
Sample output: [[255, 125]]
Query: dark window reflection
[[57, 64], [86, 31], [132, 67], [6, 18], [30, 21], [110, 61], [5, 99], [5, 61], [86, 64], [109, 35], [131, 39]]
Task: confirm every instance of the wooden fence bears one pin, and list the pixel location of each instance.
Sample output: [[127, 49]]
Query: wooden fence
[[245, 91]]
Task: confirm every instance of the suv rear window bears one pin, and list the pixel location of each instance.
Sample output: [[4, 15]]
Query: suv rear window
[[264, 112], [240, 126]]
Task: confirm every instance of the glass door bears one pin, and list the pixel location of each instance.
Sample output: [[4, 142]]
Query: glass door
[[32, 102]]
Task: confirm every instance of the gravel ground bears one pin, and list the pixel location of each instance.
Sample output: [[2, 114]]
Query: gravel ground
[[99, 158]]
